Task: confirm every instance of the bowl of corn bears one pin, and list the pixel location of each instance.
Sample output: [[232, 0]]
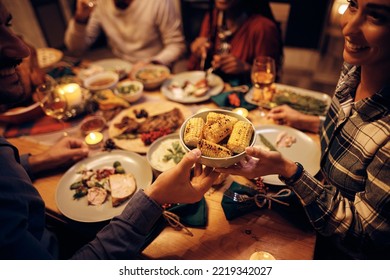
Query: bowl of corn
[[221, 136]]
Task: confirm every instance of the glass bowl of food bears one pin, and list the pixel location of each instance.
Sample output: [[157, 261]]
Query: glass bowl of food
[[152, 76], [129, 90]]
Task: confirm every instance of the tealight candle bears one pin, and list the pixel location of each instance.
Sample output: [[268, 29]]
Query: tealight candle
[[72, 94], [241, 111], [94, 139]]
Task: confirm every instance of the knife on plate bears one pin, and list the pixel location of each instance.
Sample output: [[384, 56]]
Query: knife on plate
[[266, 142]]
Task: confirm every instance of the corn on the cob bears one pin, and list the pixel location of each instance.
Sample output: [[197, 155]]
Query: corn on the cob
[[217, 131], [214, 117], [210, 149], [193, 131], [240, 137]]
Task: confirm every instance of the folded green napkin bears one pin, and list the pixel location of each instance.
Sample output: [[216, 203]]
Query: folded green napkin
[[191, 215], [233, 209], [222, 100]]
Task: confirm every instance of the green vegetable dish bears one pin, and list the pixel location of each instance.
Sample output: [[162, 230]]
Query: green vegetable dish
[[306, 104]]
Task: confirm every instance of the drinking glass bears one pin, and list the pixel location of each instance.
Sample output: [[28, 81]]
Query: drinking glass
[[262, 75], [52, 101]]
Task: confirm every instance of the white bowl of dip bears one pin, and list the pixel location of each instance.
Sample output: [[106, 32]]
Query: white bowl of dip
[[159, 156]]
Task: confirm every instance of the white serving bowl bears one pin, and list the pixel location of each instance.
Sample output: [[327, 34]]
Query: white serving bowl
[[158, 149], [129, 90], [152, 76], [217, 162], [102, 80]]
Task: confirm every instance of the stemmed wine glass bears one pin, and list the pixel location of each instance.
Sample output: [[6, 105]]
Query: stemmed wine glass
[[262, 75], [52, 101]]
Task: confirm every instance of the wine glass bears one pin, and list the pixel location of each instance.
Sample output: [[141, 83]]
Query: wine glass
[[52, 101], [262, 75]]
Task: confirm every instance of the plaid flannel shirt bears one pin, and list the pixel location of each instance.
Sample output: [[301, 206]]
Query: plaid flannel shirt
[[352, 205]]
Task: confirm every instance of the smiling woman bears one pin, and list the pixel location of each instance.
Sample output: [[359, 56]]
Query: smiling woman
[[365, 26]]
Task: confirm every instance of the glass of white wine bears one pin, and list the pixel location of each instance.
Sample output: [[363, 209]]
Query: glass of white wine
[[52, 101], [262, 75]]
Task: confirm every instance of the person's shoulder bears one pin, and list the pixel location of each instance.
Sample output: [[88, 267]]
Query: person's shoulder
[[259, 22], [256, 19]]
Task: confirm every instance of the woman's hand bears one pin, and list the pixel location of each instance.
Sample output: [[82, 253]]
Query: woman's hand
[[200, 46], [175, 185], [285, 115], [63, 154], [261, 163], [230, 64]]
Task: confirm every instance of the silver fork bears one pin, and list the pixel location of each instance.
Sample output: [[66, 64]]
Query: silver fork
[[236, 196]]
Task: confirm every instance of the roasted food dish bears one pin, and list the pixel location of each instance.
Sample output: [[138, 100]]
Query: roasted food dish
[[100, 184], [220, 136], [163, 124]]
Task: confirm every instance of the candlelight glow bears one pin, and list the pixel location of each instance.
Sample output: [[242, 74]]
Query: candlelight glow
[[241, 111]]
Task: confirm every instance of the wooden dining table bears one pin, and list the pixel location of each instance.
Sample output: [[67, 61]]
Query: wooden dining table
[[281, 231]]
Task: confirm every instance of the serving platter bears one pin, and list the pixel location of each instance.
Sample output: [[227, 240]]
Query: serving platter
[[305, 150], [153, 108], [304, 100], [79, 210], [216, 85]]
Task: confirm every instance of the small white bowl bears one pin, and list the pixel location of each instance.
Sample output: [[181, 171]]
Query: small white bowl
[[129, 90], [158, 149], [152, 76], [217, 162], [102, 80]]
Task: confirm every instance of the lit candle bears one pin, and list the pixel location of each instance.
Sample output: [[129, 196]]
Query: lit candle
[[72, 94], [94, 139], [241, 111]]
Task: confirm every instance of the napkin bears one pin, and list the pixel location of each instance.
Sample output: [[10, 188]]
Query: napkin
[[233, 209], [222, 100], [191, 215]]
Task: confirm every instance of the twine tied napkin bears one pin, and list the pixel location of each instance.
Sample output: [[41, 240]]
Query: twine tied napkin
[[256, 200]]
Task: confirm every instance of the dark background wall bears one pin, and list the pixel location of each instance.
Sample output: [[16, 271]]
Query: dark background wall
[[304, 29]]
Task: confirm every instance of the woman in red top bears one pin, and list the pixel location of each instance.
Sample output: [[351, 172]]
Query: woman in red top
[[240, 31]]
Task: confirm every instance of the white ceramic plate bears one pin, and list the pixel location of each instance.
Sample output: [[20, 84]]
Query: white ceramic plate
[[117, 65], [305, 150], [301, 91], [79, 210], [215, 82]]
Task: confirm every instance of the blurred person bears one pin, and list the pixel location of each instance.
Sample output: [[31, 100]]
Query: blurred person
[[232, 35], [136, 30], [31, 75], [23, 232], [350, 207]]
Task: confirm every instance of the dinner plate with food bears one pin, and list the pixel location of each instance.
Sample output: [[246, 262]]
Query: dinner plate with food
[[304, 100], [192, 87], [135, 128], [99, 187], [292, 144]]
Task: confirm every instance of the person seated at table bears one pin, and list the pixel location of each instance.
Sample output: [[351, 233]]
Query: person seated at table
[[136, 31], [239, 32], [31, 75], [350, 208], [23, 234]]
